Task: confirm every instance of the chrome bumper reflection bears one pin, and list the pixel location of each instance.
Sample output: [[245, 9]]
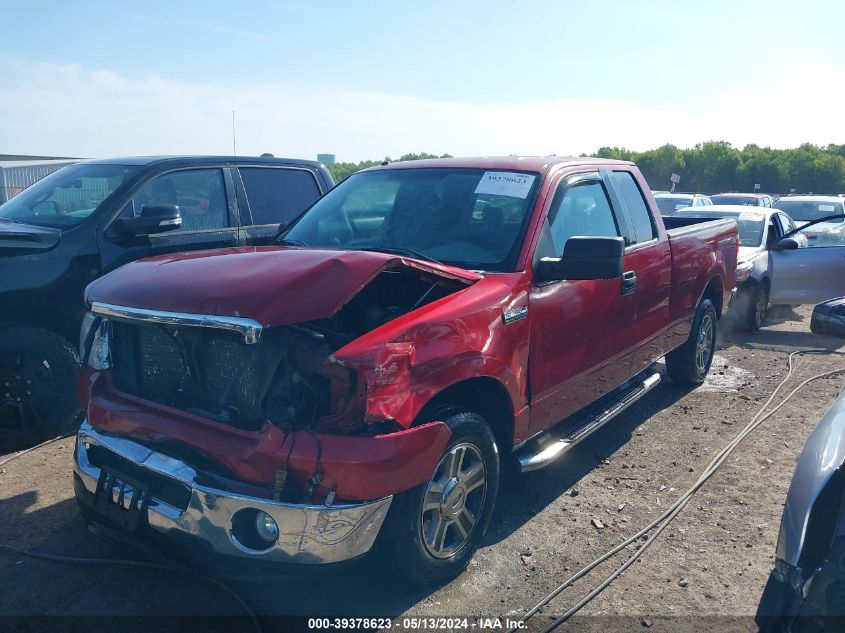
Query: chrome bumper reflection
[[308, 534]]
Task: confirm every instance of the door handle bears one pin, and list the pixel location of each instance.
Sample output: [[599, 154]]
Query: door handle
[[629, 282]]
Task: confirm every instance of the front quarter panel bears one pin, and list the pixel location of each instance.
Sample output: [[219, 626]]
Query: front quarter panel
[[408, 361]]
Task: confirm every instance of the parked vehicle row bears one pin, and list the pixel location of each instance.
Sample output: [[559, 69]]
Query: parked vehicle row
[[360, 384], [669, 203], [87, 219], [744, 199]]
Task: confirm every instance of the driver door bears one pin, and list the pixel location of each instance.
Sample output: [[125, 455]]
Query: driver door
[[582, 331], [209, 216], [811, 273]]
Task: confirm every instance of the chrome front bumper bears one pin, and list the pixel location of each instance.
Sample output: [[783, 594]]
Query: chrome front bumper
[[308, 534]]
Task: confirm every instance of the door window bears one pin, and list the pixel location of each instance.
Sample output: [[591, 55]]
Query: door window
[[199, 193], [582, 209], [627, 188], [278, 195]]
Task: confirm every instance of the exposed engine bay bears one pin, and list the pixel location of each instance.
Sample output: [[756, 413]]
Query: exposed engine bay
[[286, 378]]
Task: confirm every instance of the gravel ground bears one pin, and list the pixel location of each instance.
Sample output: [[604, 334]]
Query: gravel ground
[[707, 570]]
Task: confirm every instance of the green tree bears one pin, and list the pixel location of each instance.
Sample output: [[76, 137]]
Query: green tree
[[616, 153], [340, 171], [760, 166], [711, 167], [659, 164]]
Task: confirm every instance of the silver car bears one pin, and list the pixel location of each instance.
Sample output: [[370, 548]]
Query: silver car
[[778, 264], [805, 209], [669, 203], [806, 589]]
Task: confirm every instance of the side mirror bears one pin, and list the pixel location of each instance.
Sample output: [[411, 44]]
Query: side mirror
[[156, 218], [584, 258], [787, 244]]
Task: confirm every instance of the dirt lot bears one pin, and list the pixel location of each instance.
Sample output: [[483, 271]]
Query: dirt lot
[[722, 544]]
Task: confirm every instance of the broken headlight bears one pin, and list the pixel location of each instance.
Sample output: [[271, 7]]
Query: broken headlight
[[743, 271], [94, 342]]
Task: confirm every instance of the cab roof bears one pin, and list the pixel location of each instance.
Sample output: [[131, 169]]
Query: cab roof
[[144, 161], [508, 163]]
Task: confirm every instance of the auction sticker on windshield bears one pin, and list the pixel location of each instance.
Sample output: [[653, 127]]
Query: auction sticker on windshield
[[505, 183]]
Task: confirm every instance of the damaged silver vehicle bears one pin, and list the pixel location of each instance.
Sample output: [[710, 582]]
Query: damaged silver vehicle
[[806, 589]]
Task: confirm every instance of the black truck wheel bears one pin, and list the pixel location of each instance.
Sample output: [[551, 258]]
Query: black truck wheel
[[37, 384], [690, 363], [758, 303], [432, 531]]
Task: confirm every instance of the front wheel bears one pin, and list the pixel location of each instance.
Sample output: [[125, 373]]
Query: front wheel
[[758, 303], [432, 531], [690, 363], [37, 385]]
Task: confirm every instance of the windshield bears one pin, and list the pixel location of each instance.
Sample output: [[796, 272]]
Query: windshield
[[669, 204], [67, 196], [470, 218], [749, 225], [809, 210], [726, 198]]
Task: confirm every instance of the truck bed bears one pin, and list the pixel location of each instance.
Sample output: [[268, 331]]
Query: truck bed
[[698, 247], [677, 225]]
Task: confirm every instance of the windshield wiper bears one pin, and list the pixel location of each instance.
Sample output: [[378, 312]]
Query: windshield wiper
[[395, 250], [287, 242]]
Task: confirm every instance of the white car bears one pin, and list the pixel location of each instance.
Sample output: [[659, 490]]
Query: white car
[[669, 203], [768, 270], [804, 209]]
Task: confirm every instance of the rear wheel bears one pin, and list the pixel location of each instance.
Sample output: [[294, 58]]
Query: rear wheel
[[37, 384], [432, 531], [690, 363]]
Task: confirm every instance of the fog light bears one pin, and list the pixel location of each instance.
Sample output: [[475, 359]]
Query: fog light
[[266, 527]]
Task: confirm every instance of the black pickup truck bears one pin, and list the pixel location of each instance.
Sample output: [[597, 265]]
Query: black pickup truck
[[87, 219]]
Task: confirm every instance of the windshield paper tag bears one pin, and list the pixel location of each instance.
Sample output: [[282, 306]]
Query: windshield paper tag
[[827, 207], [505, 183]]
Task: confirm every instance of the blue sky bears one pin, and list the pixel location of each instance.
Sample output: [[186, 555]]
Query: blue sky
[[366, 79]]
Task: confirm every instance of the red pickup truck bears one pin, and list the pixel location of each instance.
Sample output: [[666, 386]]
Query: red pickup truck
[[359, 385]]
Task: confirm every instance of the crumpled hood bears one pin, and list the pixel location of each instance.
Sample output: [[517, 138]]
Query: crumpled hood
[[27, 237], [273, 285]]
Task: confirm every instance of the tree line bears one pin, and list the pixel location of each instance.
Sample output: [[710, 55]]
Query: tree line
[[712, 167], [340, 171], [717, 166]]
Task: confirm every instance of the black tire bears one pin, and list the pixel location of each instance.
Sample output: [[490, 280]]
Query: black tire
[[689, 364], [407, 541], [38, 370], [758, 304]]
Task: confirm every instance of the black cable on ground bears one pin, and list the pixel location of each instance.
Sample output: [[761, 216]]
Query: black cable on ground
[[664, 519], [126, 562]]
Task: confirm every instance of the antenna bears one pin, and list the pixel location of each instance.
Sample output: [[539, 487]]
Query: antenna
[[234, 145]]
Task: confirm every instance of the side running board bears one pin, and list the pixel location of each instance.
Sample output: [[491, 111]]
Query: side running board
[[546, 448]]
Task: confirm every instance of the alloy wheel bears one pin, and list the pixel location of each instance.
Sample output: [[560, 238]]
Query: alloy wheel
[[704, 344], [454, 500]]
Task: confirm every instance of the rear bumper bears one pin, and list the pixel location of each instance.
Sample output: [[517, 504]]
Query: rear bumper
[[178, 508]]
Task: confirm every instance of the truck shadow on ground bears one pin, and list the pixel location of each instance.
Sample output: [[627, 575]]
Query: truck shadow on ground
[[524, 495]]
